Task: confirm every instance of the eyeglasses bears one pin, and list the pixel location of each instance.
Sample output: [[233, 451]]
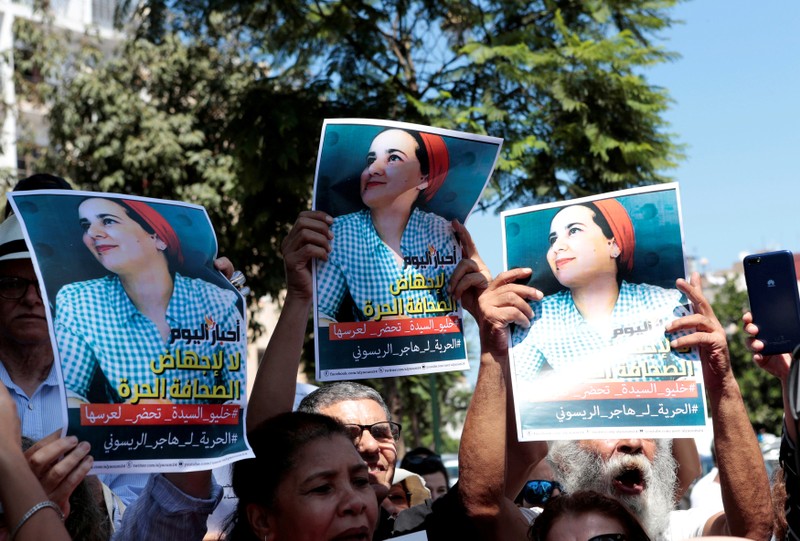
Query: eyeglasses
[[384, 431], [14, 288], [609, 537], [538, 491]]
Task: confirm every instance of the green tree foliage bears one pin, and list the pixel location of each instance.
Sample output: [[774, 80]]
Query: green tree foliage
[[220, 102], [187, 119], [560, 80], [761, 391]]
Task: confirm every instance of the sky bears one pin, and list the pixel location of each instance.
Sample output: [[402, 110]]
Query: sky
[[735, 91]]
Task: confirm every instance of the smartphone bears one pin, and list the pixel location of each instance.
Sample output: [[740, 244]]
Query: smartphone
[[772, 288]]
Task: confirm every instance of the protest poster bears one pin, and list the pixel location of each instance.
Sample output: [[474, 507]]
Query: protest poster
[[382, 306], [596, 361], [149, 339]]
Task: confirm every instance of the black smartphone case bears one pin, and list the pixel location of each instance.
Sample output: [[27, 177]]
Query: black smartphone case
[[774, 302]]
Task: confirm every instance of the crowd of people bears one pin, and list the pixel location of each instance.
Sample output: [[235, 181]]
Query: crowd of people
[[331, 471]]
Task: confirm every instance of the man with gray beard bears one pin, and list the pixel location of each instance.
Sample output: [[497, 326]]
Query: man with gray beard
[[641, 473], [580, 466]]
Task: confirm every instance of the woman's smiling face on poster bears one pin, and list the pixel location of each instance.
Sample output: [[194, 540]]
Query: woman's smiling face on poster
[[393, 173], [579, 251], [117, 241]]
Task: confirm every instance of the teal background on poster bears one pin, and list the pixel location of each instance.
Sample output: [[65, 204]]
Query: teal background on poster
[[56, 235], [542, 415], [658, 257], [343, 158], [341, 354]]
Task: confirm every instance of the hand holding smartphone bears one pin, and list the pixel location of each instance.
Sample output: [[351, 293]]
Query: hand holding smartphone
[[774, 301]]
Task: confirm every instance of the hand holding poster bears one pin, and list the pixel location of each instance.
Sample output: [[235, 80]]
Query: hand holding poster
[[596, 360], [150, 339], [383, 306]]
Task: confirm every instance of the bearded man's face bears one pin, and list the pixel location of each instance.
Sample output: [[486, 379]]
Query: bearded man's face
[[642, 474]]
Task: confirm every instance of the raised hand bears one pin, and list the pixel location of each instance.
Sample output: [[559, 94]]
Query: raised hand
[[502, 303], [60, 464], [777, 365], [709, 336], [471, 276], [309, 238]]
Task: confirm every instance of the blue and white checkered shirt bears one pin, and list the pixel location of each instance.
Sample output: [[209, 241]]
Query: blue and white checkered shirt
[[560, 338], [362, 263], [97, 325]]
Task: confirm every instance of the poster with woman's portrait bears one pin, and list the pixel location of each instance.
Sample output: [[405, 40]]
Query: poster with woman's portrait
[[596, 360], [150, 339], [382, 303]]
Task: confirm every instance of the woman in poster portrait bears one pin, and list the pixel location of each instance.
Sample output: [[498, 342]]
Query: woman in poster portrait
[[145, 331], [599, 319], [392, 257]]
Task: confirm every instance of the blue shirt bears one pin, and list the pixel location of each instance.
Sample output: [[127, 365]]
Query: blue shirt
[[40, 414], [560, 338], [361, 263], [97, 325], [164, 512]]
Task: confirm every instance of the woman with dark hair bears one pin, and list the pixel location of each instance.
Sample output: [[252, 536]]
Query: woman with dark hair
[[392, 254], [429, 465], [586, 515], [129, 327], [600, 321], [306, 482]]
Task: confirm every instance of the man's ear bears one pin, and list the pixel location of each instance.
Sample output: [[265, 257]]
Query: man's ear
[[261, 522]]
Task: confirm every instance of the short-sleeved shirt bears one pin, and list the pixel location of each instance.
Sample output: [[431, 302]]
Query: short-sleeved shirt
[[560, 338], [361, 263], [98, 326]]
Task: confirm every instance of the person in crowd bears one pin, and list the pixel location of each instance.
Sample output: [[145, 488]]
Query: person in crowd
[[363, 412], [591, 255], [640, 473], [107, 326], [429, 465], [780, 366], [27, 512], [408, 489], [586, 515], [28, 372], [306, 482], [371, 248]]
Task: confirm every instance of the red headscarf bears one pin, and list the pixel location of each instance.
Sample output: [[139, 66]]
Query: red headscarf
[[438, 163], [622, 229], [160, 226]]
